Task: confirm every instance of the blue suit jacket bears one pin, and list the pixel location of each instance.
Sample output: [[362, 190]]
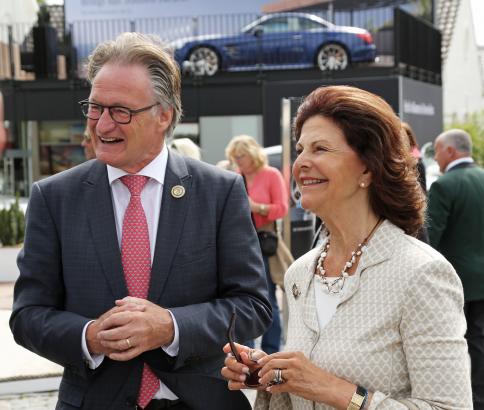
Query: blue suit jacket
[[207, 263]]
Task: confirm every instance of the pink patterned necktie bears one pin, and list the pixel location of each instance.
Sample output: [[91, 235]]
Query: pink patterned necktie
[[136, 259]]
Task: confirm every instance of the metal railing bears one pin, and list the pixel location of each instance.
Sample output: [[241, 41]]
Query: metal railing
[[394, 38], [15, 39]]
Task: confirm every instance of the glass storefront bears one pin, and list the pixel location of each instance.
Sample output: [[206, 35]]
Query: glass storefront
[[43, 149], [59, 146]]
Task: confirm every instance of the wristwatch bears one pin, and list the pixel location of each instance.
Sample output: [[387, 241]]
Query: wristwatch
[[262, 208], [359, 399]]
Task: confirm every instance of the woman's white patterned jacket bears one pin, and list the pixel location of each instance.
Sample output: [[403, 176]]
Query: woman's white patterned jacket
[[398, 331]]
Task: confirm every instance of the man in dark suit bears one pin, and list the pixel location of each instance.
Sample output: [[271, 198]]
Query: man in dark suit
[[134, 262], [456, 229]]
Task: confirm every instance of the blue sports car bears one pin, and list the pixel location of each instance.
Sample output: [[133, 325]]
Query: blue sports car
[[275, 41]]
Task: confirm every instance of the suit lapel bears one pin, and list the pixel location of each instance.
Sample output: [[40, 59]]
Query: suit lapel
[[170, 226], [103, 227]]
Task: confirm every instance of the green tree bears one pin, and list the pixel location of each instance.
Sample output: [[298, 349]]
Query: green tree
[[474, 125], [12, 224]]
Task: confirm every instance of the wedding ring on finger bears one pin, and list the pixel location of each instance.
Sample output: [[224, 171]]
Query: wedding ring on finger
[[128, 343], [277, 377]]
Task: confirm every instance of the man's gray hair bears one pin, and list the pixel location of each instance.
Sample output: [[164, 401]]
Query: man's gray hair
[[150, 52], [459, 139]]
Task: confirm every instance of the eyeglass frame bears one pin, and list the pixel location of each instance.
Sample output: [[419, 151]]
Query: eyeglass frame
[[252, 379], [83, 103]]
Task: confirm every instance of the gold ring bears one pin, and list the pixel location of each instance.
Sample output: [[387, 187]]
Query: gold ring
[[128, 343]]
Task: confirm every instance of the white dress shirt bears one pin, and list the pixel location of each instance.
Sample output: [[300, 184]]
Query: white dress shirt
[[151, 198]]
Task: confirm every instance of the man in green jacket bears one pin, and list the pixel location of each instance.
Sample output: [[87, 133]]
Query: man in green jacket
[[456, 229]]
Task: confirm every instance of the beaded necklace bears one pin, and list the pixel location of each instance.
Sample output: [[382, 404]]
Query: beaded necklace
[[335, 285]]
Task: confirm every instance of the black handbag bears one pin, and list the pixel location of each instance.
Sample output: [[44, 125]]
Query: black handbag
[[268, 242]]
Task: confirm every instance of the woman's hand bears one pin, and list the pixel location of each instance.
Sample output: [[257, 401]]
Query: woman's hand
[[254, 207], [303, 378], [236, 373]]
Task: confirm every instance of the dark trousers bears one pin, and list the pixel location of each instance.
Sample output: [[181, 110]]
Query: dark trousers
[[474, 312], [271, 339]]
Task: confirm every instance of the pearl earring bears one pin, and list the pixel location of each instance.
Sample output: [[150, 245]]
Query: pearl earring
[[362, 184]]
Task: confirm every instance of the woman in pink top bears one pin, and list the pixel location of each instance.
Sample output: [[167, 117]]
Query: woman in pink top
[[268, 200]]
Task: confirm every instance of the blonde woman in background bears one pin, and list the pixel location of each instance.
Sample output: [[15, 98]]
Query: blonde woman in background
[[268, 199]]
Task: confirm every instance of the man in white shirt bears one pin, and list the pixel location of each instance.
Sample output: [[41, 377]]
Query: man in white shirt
[[456, 229], [133, 263]]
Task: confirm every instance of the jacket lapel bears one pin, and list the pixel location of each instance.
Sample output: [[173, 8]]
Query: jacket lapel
[[379, 249], [310, 315], [103, 227], [170, 226]]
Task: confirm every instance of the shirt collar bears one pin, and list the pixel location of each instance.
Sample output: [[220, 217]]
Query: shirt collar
[[462, 160], [156, 169]]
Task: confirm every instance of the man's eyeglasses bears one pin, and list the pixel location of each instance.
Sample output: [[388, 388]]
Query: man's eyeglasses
[[119, 114]]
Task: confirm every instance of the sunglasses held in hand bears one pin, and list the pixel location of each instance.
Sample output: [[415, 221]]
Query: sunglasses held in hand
[[252, 379]]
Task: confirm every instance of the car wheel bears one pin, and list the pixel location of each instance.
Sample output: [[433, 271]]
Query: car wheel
[[205, 60], [332, 56]]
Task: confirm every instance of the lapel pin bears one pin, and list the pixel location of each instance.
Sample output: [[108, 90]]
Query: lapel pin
[[295, 291], [177, 191]]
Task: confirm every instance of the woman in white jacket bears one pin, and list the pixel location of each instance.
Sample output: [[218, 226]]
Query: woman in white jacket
[[375, 315]]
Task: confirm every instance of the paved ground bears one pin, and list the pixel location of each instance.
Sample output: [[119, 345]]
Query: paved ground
[[32, 401], [17, 362], [6, 296], [8, 264]]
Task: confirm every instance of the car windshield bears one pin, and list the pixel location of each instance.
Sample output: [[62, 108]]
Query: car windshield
[[281, 24]]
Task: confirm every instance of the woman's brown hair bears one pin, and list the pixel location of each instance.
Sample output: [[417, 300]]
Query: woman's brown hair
[[374, 132]]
